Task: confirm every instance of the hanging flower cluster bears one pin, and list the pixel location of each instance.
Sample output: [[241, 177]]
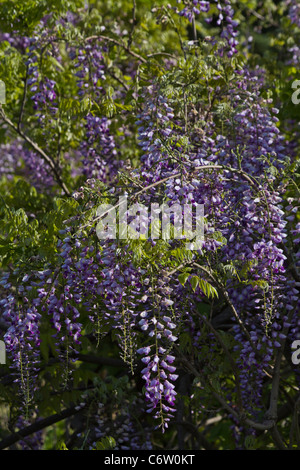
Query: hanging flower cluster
[[193, 8], [99, 150], [203, 134]]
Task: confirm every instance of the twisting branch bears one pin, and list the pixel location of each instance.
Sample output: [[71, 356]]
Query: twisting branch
[[36, 147]]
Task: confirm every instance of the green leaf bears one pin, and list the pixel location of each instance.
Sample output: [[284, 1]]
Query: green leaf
[[63, 446], [106, 443], [194, 282], [183, 277], [207, 288]]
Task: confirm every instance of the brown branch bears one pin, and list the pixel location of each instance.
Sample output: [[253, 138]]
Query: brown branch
[[39, 425], [190, 427], [227, 298], [234, 367], [267, 424], [118, 43], [40, 151], [167, 54], [133, 22], [272, 412]]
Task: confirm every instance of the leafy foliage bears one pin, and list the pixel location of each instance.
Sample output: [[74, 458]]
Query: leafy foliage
[[142, 342]]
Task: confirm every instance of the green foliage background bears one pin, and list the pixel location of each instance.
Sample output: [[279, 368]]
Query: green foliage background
[[31, 221]]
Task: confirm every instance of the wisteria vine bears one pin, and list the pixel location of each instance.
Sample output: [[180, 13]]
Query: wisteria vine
[[98, 119]]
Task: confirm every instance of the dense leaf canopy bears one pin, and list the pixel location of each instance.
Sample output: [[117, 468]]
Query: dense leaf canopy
[[129, 336]]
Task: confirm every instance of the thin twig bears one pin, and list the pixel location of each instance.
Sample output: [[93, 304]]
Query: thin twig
[[23, 100], [133, 20], [177, 175], [224, 292], [118, 43], [231, 360], [167, 54], [267, 424], [40, 151], [38, 426]]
